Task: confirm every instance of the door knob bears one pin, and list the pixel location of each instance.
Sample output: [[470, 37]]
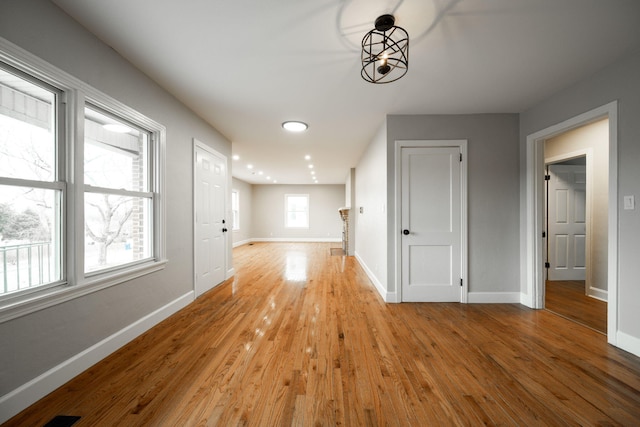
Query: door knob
[[405, 232]]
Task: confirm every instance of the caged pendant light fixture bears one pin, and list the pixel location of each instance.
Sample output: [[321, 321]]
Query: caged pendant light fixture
[[385, 52]]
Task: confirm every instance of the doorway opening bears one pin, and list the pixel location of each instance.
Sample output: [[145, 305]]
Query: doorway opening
[[576, 223], [535, 238]]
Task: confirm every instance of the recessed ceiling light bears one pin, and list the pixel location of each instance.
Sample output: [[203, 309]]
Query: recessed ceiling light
[[260, 173], [310, 166], [268, 178], [236, 157], [307, 157], [275, 181], [313, 172], [249, 166], [293, 126]]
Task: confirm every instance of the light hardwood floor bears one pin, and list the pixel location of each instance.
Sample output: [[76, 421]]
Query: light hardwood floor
[[567, 298], [300, 337]]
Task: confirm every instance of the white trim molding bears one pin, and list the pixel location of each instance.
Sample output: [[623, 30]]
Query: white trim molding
[[628, 343], [397, 242], [531, 257], [296, 239], [386, 296], [494, 297], [76, 282]]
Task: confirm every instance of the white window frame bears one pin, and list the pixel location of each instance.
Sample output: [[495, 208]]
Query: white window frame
[[74, 94], [286, 211], [235, 210]]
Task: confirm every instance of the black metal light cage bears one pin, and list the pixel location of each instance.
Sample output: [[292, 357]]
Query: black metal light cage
[[385, 52]]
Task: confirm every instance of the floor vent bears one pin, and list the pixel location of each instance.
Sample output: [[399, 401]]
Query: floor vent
[[62, 421]]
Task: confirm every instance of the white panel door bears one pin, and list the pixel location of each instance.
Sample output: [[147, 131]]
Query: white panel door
[[567, 222], [431, 224], [210, 244]]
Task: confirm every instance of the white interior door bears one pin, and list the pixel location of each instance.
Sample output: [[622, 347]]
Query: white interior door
[[567, 222], [210, 242], [431, 215]]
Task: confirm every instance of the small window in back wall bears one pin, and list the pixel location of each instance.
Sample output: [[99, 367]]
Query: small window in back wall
[[296, 210]]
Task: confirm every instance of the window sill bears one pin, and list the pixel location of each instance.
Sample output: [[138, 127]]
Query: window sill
[[27, 304]]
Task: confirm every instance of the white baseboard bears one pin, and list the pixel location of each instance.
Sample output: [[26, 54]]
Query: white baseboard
[[298, 239], [241, 242], [17, 400], [628, 343], [386, 296], [597, 293], [493, 297]]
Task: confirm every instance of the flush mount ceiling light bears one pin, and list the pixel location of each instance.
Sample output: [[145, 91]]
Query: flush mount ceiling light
[[293, 126], [385, 52]]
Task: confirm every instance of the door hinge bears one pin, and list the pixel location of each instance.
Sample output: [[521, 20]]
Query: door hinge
[[547, 265], [460, 156], [544, 234], [547, 177], [460, 282]]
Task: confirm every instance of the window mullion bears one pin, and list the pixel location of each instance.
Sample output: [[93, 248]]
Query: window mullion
[[75, 194]]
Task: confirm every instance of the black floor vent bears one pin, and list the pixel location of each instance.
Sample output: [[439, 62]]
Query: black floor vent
[[62, 421]]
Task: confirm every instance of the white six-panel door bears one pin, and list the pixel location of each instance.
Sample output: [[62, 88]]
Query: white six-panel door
[[210, 184], [567, 222], [431, 224]]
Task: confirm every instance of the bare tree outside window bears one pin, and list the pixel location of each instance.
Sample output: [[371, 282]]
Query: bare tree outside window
[[117, 201], [30, 214]]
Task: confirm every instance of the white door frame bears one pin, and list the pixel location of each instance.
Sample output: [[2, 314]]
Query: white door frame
[[532, 259], [397, 242], [227, 194]]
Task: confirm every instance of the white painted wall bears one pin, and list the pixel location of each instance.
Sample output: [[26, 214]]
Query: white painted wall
[[619, 81], [245, 233], [594, 136], [324, 220]]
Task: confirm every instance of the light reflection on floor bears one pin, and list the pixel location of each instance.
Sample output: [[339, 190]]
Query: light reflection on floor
[[296, 266]]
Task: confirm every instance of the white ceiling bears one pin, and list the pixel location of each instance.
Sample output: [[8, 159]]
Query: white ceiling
[[245, 66]]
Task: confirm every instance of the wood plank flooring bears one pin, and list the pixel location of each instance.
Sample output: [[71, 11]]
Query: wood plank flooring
[[567, 298], [300, 337]]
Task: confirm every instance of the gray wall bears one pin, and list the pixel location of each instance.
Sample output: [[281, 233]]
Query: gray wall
[[350, 202], [245, 233], [493, 192], [620, 81], [35, 343], [324, 219], [371, 198]]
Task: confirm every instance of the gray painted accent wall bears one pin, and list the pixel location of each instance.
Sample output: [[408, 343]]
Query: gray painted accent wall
[[493, 192]]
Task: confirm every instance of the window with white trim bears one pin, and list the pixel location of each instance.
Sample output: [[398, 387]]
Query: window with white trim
[[118, 197], [296, 210], [235, 209], [80, 199], [32, 187]]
